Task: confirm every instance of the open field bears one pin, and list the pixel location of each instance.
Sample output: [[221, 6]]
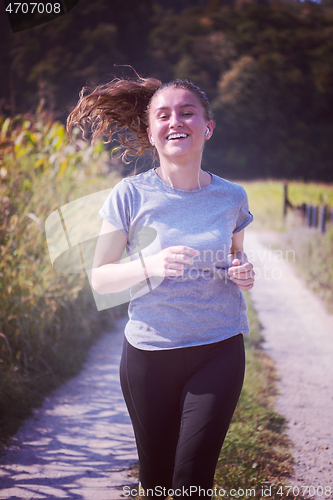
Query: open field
[[266, 201]]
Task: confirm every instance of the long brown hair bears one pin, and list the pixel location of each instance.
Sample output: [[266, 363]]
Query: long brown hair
[[121, 107]]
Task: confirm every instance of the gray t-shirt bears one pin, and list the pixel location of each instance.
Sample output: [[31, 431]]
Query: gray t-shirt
[[202, 306]]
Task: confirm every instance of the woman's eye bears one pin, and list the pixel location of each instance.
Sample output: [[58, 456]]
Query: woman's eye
[[187, 113]]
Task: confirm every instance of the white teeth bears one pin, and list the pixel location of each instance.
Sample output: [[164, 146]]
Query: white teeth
[[176, 136]]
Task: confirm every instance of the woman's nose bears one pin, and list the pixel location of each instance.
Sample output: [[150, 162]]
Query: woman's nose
[[175, 120]]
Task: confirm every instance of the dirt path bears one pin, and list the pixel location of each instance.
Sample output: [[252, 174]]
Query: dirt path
[[81, 443], [299, 337]]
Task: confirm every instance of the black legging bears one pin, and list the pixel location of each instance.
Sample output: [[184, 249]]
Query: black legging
[[181, 402]]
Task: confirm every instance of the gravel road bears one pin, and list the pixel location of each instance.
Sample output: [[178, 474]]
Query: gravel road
[[298, 334], [80, 444]]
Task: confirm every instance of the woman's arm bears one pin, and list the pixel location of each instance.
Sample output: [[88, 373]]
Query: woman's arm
[[111, 276], [241, 271], [108, 274]]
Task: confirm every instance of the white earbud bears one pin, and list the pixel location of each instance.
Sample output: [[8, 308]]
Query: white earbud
[[207, 132], [152, 142]]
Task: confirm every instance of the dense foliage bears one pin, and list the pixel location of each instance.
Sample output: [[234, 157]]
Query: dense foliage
[[266, 65]]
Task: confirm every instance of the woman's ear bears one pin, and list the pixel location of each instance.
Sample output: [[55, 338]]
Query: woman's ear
[[210, 129], [151, 140]]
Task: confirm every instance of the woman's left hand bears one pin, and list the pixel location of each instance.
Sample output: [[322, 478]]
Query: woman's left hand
[[241, 272]]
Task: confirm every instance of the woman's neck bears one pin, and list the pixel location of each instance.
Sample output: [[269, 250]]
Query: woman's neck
[[185, 178]]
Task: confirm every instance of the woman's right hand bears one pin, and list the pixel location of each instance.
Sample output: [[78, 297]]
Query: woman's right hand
[[170, 261]]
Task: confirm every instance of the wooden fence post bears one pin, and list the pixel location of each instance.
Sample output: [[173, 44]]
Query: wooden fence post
[[308, 214], [286, 202], [323, 219], [285, 198], [314, 216]]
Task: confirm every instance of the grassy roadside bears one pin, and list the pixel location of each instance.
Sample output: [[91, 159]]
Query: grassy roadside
[[48, 320], [313, 249], [256, 453], [313, 261]]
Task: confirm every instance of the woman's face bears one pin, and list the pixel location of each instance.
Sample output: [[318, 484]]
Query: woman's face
[[177, 125]]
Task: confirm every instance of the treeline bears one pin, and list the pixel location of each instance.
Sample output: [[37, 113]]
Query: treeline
[[266, 66]]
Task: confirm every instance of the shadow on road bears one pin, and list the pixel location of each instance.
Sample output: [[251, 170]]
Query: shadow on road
[[80, 444]]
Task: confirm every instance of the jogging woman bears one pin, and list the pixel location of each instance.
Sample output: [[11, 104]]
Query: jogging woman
[[182, 365]]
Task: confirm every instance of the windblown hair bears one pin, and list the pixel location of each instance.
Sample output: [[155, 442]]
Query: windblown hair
[[121, 108]]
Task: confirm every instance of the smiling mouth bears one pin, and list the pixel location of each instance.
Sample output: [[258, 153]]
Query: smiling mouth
[[171, 137]]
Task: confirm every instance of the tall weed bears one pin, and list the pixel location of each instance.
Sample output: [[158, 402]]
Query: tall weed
[[47, 320]]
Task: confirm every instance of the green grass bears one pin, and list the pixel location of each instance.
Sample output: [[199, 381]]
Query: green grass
[[266, 204], [266, 201], [313, 193]]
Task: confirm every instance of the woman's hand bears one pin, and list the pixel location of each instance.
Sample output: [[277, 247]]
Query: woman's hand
[[241, 272], [170, 261]]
